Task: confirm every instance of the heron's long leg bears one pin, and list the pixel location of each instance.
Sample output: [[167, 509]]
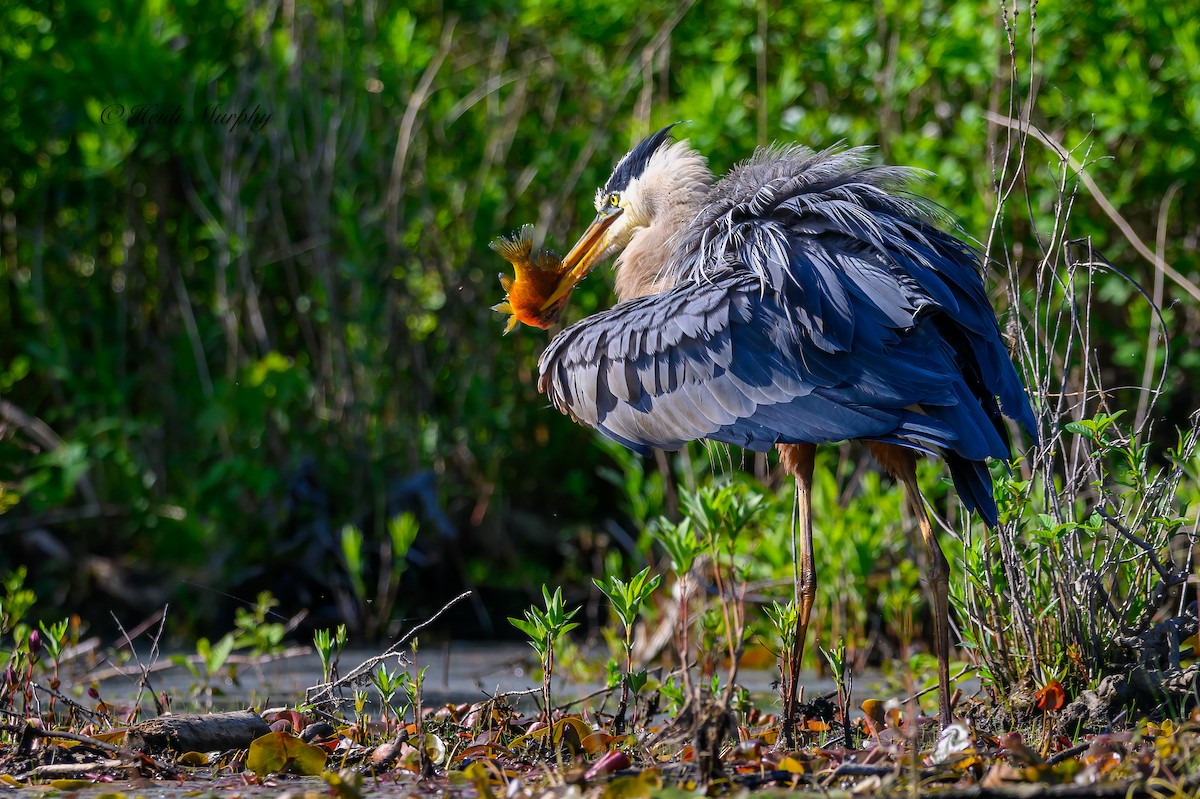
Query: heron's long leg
[[939, 586], [799, 459]]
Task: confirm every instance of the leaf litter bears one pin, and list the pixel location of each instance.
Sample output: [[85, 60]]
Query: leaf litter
[[490, 749]]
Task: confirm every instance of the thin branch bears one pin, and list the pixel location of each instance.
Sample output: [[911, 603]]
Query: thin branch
[[1101, 200], [30, 730], [324, 691]]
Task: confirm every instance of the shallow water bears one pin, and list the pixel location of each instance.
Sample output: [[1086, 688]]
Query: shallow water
[[456, 672]]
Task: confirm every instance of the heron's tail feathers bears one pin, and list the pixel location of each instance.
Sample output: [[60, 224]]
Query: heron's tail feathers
[[973, 482]]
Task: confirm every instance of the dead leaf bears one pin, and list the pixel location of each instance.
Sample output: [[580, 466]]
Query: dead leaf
[[435, 749], [873, 709], [641, 786], [790, 765], [597, 742], [345, 784], [1001, 775], [607, 764], [193, 759], [954, 740]]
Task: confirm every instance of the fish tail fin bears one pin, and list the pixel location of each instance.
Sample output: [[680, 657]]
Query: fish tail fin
[[517, 247]]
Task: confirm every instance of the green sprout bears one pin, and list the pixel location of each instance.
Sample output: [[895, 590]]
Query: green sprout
[[627, 600], [544, 628], [329, 648]]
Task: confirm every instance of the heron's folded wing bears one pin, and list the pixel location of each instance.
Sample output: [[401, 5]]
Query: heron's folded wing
[[717, 359]]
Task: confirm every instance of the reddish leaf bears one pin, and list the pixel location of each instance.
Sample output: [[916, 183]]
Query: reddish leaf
[[597, 742], [298, 720], [610, 762], [1051, 696]]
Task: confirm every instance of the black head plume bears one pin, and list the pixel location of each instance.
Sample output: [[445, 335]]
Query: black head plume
[[634, 163]]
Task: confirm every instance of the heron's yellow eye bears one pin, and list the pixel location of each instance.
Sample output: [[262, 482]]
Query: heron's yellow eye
[[614, 199]]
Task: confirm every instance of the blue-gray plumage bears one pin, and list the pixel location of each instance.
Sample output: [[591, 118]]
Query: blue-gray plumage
[[809, 302], [805, 298]]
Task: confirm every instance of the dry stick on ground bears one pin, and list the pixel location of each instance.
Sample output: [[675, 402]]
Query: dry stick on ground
[[323, 693], [198, 732], [59, 771], [27, 730]]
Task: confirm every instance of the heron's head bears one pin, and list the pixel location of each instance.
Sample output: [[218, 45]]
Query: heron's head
[[649, 182]]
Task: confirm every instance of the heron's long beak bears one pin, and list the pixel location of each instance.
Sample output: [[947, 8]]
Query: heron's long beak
[[583, 256]]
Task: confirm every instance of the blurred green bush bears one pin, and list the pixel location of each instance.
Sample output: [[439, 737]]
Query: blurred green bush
[[223, 341]]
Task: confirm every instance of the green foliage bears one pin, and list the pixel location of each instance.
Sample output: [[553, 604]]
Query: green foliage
[[627, 598], [207, 666], [863, 562], [196, 311], [329, 648], [254, 632], [1075, 569], [782, 618], [374, 574], [545, 627], [387, 683], [680, 543], [16, 603]]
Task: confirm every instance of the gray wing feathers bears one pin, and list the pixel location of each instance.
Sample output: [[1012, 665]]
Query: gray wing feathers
[[810, 305]]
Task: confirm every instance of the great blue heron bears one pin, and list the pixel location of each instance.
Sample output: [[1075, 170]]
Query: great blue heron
[[804, 298]]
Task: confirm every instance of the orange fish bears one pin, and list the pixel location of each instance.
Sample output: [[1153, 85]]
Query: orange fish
[[537, 277]]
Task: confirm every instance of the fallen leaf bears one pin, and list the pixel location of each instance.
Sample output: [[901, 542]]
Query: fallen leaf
[[790, 765], [597, 742], [607, 764], [954, 740], [1014, 744], [345, 784], [435, 749], [277, 752], [1001, 775], [874, 710], [193, 759], [748, 750], [482, 778], [641, 786]]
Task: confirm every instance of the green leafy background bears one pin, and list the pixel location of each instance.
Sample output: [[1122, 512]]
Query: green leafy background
[[227, 344]]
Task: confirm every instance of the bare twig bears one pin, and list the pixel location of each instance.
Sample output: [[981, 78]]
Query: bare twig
[[61, 697], [962, 673], [136, 757], [1170, 578], [324, 691], [1102, 200], [144, 681]]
